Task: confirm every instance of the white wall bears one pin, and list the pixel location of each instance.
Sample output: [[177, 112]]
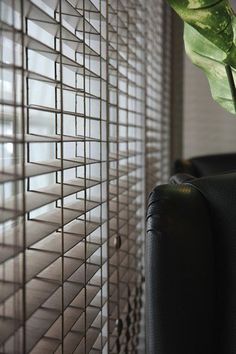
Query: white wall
[[208, 129]]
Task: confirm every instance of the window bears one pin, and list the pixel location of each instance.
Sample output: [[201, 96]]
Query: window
[[84, 128]]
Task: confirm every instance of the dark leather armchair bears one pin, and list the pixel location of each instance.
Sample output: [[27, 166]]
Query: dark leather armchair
[[191, 267], [206, 165]]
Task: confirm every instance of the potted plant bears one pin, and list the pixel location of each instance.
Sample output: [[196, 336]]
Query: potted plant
[[210, 42]]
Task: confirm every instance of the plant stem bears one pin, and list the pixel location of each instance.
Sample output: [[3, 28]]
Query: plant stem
[[231, 84]]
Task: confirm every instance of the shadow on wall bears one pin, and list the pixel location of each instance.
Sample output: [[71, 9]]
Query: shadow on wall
[[233, 2]]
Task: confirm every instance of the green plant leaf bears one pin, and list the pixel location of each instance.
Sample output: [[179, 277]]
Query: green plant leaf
[[209, 35], [210, 59]]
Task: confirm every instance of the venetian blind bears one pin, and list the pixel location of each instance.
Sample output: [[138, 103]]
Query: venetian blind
[[77, 78], [126, 127], [158, 86]]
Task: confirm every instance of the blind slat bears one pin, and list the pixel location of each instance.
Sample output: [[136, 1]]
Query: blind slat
[[81, 103]]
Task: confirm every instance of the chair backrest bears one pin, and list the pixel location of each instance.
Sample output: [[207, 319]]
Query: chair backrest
[[206, 165], [191, 267]]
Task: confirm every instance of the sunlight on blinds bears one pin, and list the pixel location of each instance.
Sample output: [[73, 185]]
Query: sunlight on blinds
[[82, 114]]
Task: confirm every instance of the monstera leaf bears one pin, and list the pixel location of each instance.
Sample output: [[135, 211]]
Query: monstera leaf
[[209, 35]]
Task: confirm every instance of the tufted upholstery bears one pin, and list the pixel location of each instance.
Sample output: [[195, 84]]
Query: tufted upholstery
[[206, 165], [191, 267]]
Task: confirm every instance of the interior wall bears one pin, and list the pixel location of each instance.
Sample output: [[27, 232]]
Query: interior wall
[[177, 87], [208, 129]]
